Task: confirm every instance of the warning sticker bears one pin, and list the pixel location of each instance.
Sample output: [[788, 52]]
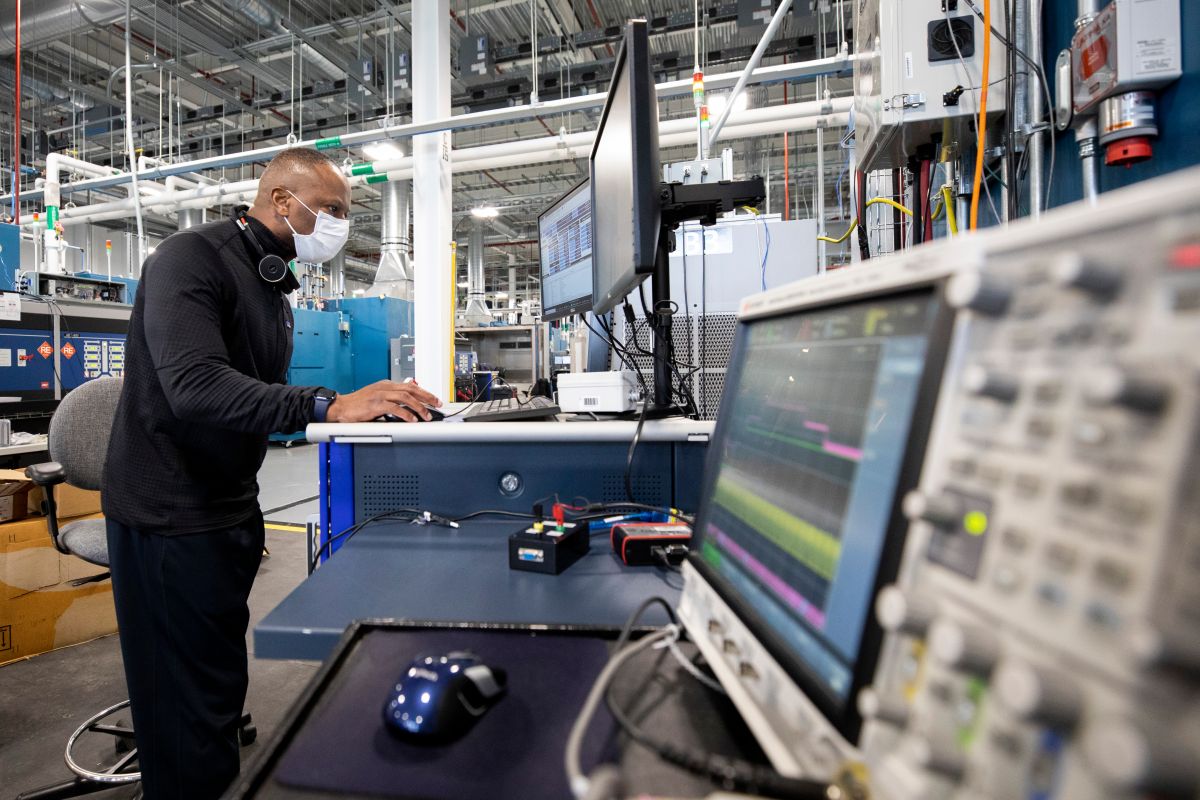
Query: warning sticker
[[68, 350], [45, 349]]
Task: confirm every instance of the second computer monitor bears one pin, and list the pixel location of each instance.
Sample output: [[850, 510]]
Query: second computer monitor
[[565, 254], [625, 175]]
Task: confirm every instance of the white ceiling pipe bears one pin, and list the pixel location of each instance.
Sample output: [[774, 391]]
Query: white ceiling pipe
[[778, 72], [584, 139]]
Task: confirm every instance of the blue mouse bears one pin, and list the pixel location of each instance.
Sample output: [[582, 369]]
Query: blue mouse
[[439, 697]]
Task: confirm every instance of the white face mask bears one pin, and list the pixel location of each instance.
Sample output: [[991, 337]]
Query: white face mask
[[328, 236]]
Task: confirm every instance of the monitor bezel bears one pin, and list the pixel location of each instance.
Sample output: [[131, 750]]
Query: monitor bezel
[[634, 57], [844, 718], [581, 304]]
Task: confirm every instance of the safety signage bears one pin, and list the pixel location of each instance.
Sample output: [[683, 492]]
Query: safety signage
[[68, 350], [45, 349]]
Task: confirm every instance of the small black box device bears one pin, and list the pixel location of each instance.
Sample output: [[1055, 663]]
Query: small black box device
[[634, 542], [548, 549]]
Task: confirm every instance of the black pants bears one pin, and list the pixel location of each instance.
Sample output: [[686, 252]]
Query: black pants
[[182, 618]]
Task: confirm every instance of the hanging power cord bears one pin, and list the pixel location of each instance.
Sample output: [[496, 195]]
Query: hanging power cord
[[981, 125], [854, 224]]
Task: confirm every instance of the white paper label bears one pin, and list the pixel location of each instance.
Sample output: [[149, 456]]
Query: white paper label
[[21, 358], [5, 357], [10, 306], [908, 66]]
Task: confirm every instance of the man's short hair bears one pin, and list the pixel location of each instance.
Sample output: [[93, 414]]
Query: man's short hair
[[294, 160]]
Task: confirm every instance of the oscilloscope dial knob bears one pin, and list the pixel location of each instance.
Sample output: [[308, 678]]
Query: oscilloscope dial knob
[[983, 382], [971, 290], [1073, 271], [968, 648], [1113, 386], [1038, 694], [1127, 758], [901, 611], [940, 510]]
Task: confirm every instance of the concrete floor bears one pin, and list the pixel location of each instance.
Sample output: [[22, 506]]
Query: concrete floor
[[43, 699]]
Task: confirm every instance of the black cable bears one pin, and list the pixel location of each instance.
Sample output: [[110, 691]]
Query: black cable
[[637, 436], [494, 512], [730, 773], [479, 390], [348, 533]]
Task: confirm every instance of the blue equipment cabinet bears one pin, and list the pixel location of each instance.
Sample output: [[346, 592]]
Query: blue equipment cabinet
[[10, 256], [374, 322], [320, 357]]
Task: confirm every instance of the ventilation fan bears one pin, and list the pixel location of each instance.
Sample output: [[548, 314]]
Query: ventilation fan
[[945, 33]]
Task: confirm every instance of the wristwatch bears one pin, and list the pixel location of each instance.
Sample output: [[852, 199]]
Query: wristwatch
[[322, 400]]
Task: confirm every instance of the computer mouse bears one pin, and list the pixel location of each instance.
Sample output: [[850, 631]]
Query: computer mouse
[[434, 416], [438, 698]]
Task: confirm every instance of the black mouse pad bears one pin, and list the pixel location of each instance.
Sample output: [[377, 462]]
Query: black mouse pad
[[514, 751]]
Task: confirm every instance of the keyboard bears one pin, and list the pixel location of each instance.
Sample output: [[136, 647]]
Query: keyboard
[[508, 409]]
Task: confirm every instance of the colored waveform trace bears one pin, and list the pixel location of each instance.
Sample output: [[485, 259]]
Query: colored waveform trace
[[772, 580], [818, 550]]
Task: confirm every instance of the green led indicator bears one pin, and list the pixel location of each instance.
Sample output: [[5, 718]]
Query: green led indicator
[[975, 523]]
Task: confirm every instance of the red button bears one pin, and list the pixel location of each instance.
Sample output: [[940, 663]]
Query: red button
[[1186, 256]]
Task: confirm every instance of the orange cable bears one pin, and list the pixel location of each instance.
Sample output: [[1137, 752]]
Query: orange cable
[[981, 126]]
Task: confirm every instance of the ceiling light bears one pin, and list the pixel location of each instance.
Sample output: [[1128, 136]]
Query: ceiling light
[[717, 103], [485, 212], [382, 151], [463, 284]]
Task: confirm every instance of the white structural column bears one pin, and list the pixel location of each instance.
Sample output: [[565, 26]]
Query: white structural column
[[432, 209]]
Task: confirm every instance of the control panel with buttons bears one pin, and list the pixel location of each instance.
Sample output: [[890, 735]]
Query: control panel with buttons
[[1043, 638]]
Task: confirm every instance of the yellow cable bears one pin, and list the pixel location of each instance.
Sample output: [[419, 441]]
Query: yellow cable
[[751, 209], [948, 203], [841, 238], [937, 210], [981, 126], [890, 202]]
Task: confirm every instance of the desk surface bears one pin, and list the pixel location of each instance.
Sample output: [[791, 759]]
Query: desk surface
[[401, 571], [17, 449]]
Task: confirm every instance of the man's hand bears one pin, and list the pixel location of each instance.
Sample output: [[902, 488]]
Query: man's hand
[[404, 400]]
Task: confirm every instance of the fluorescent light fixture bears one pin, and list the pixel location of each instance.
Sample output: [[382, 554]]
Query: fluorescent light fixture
[[382, 151], [462, 284], [501, 295], [717, 103], [359, 292], [485, 212]]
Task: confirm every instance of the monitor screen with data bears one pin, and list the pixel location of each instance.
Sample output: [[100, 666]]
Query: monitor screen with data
[[565, 248], [822, 416]]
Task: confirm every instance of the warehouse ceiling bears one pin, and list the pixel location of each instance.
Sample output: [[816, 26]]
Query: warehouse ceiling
[[217, 76]]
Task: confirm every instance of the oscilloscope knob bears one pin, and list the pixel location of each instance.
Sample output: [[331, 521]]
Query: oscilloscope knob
[[1038, 694], [901, 611], [970, 648], [1112, 386], [1129, 759], [941, 510], [971, 290], [1072, 271], [983, 382], [874, 705]]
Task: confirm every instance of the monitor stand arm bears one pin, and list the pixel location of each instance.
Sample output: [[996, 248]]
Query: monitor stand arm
[[680, 203]]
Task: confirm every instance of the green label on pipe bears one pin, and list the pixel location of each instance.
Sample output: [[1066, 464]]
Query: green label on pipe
[[377, 179], [362, 169], [326, 144], [51, 217]]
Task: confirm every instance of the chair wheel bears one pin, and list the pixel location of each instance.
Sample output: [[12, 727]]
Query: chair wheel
[[247, 734]]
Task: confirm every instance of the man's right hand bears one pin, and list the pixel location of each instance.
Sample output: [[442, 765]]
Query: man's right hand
[[404, 400]]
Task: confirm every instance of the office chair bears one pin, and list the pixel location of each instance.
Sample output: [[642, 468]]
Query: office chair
[[79, 433]]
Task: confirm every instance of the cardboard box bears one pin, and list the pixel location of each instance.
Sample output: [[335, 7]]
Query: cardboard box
[[14, 499], [71, 502], [39, 608]]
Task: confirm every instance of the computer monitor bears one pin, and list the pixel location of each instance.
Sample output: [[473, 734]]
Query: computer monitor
[[625, 175], [821, 433], [565, 254]]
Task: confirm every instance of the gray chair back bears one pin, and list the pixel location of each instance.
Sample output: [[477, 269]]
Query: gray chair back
[[80, 428]]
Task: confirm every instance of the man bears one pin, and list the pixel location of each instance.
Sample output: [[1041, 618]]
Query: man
[[208, 348]]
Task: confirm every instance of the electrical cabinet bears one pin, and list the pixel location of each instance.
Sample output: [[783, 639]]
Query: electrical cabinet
[[918, 76]]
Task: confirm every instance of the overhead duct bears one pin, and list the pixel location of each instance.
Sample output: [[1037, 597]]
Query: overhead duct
[[49, 20], [50, 95], [395, 275], [477, 312], [256, 11]]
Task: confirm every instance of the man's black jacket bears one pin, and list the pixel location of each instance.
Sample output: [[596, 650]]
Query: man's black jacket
[[205, 364]]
